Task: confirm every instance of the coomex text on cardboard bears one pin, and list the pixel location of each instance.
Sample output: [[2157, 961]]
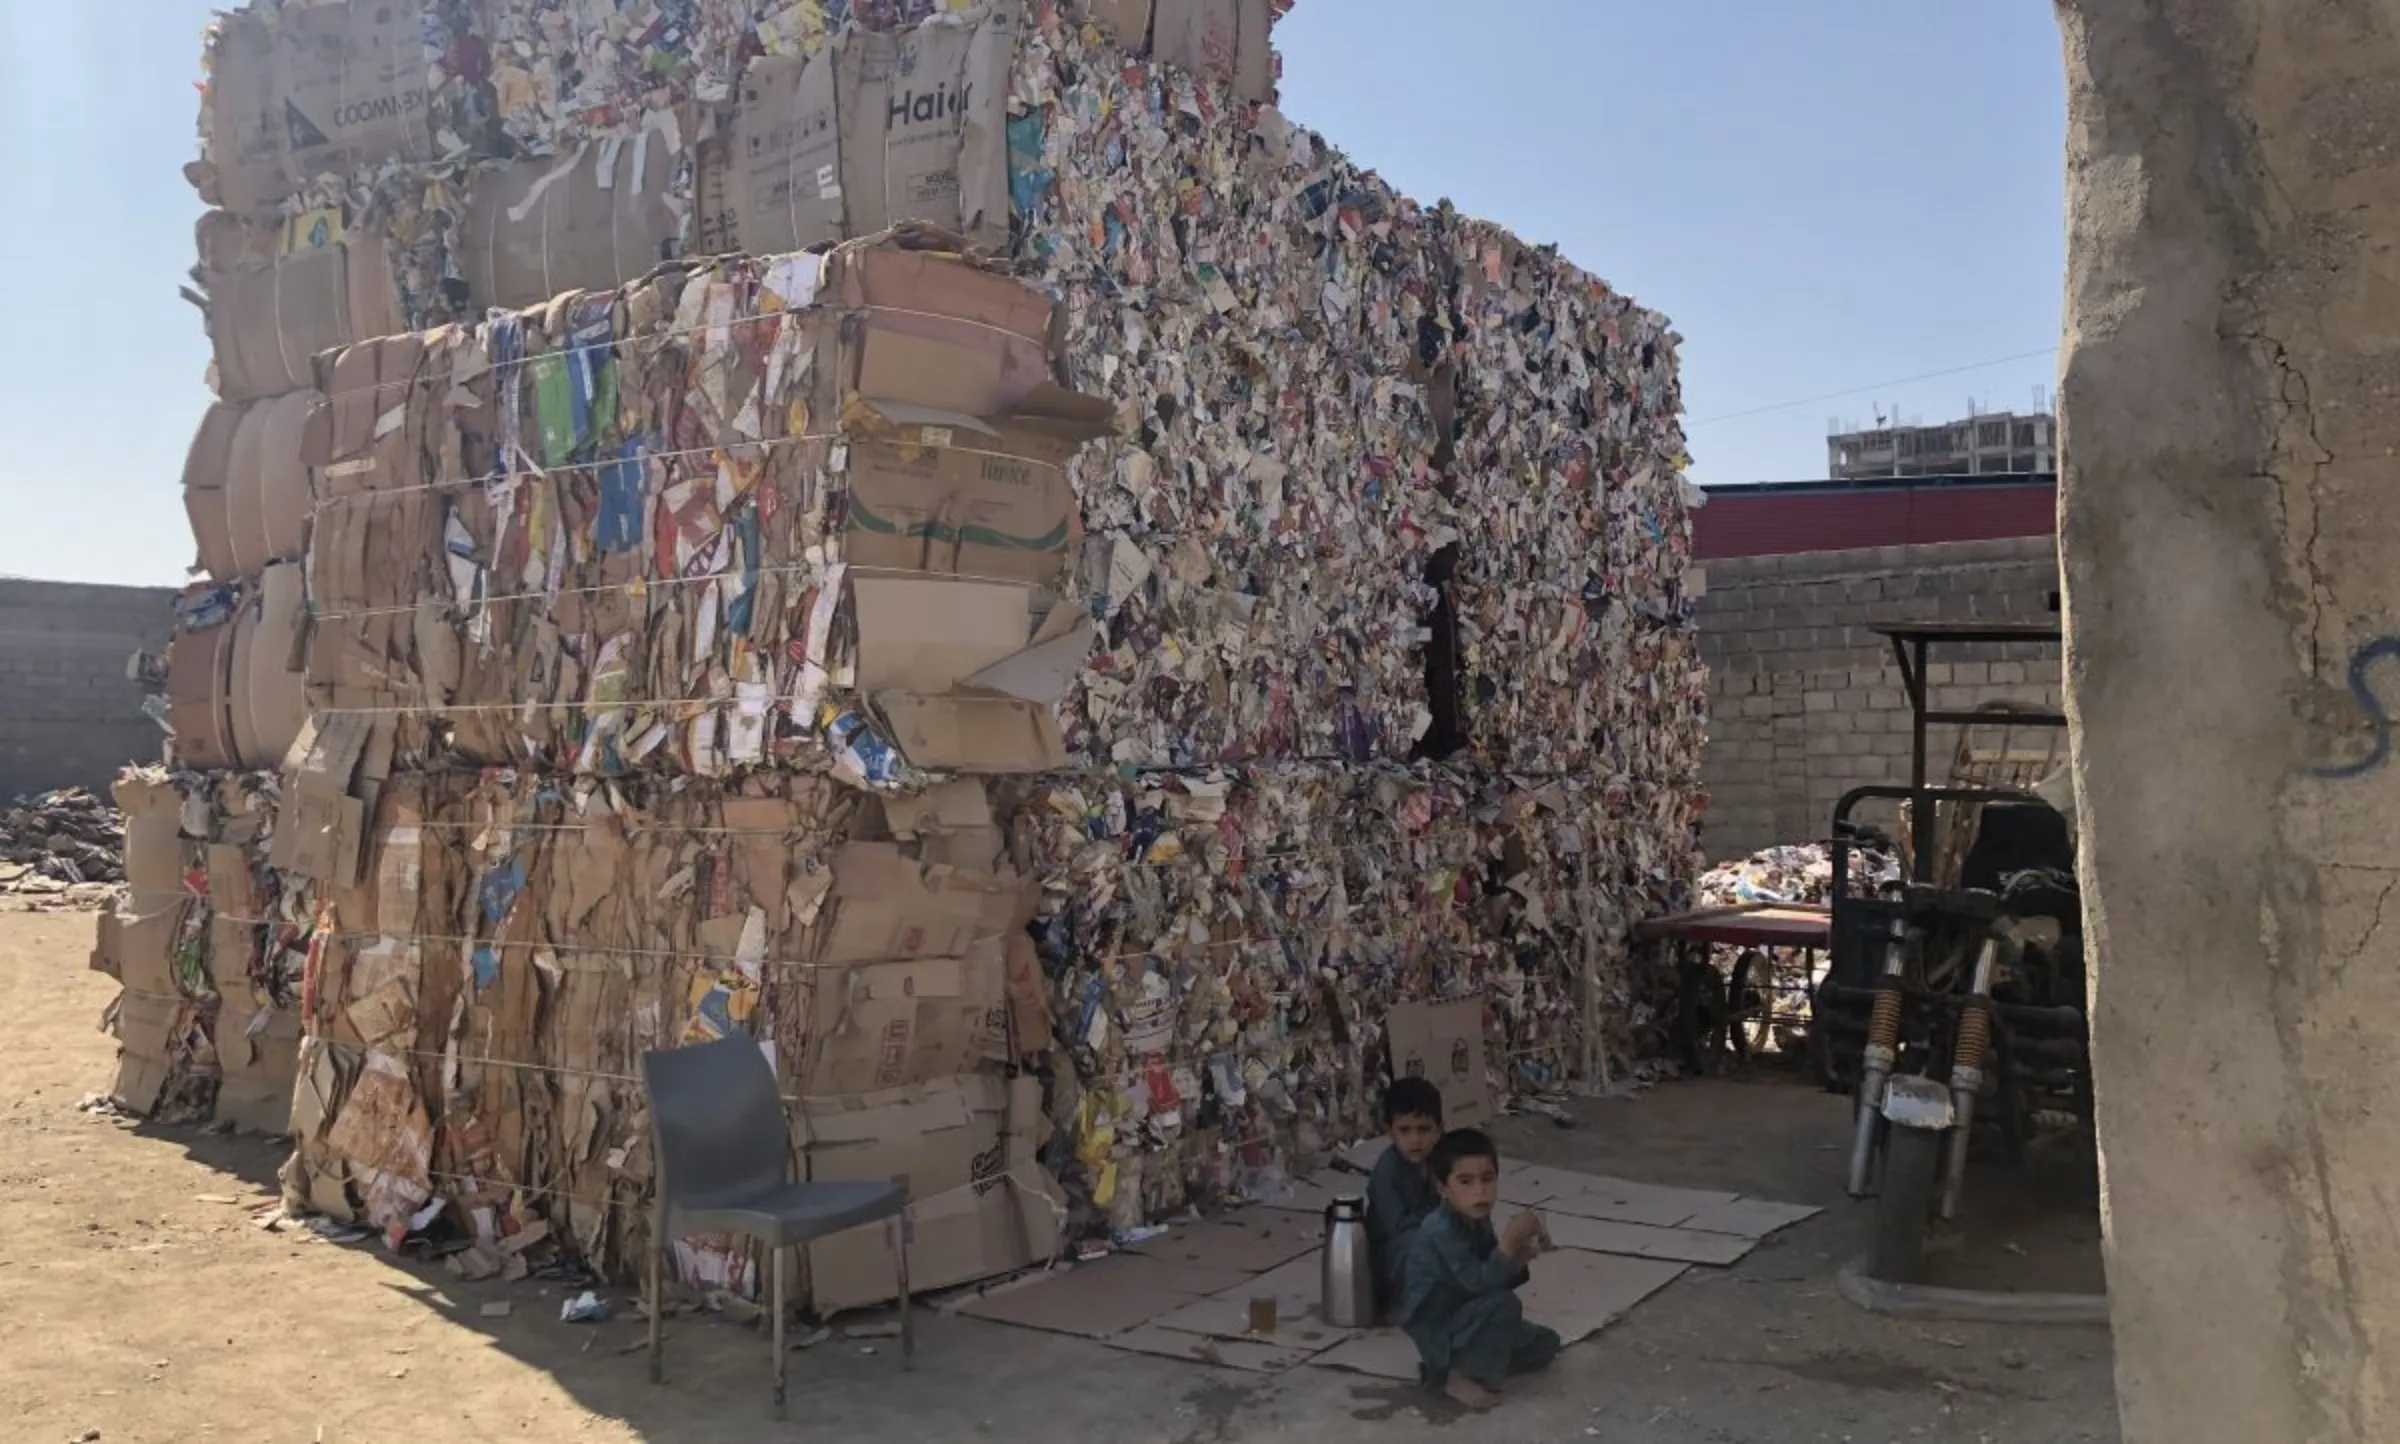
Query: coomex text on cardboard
[[312, 88]]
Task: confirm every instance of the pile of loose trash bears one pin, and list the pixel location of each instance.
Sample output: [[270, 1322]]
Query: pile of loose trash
[[61, 849]]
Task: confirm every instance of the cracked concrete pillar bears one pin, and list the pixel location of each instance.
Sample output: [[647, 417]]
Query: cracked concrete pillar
[[2230, 534]]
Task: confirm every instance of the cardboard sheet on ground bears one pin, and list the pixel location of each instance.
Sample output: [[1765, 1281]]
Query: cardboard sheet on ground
[[1255, 1356], [1107, 1296], [1314, 1194], [1750, 1218], [1298, 1290], [1530, 1185], [1634, 1240], [1618, 1201], [1249, 1243], [1578, 1294]]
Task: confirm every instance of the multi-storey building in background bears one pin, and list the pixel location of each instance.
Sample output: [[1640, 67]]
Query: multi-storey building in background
[[1987, 444]]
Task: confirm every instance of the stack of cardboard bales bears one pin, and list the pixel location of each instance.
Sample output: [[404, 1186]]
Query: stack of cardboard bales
[[596, 768], [948, 538], [208, 947]]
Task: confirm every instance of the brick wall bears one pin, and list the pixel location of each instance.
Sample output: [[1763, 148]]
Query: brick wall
[[1805, 701], [68, 715]]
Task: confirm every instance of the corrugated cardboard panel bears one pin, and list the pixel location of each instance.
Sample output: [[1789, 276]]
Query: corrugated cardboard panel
[[930, 634], [974, 734], [885, 1025], [587, 221], [982, 1205], [268, 322], [1443, 1042], [313, 88], [199, 667], [939, 333], [940, 491], [786, 164], [145, 1022], [885, 905], [1226, 40]]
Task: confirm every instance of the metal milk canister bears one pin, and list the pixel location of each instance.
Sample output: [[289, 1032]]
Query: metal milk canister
[[1349, 1266]]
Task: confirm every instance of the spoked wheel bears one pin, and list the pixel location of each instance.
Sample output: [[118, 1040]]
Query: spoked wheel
[[1750, 1004], [1700, 1018]]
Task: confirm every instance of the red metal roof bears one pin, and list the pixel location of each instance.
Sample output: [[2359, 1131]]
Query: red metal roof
[[1780, 519]]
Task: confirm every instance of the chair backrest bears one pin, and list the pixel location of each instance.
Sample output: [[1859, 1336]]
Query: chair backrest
[[716, 1122]]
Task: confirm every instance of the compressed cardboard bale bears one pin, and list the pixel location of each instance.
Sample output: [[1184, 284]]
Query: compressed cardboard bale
[[608, 922], [981, 1203], [632, 605], [199, 696], [298, 90], [265, 672], [245, 484], [278, 295], [589, 220], [1323, 553]]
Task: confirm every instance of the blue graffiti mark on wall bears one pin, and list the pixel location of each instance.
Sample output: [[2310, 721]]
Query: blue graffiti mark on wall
[[2378, 716]]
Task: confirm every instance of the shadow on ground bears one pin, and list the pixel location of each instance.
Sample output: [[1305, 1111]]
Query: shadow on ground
[[1761, 1352]]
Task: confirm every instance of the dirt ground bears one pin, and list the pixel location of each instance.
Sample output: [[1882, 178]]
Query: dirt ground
[[139, 1303]]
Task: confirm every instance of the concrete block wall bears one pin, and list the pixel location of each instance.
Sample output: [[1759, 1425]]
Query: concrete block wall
[[69, 717], [1807, 703]]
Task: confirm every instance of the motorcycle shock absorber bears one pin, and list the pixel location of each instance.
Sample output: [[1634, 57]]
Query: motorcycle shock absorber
[[1882, 1054], [1966, 1066]]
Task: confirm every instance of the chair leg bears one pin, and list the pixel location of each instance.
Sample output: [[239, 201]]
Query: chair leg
[[782, 1355], [908, 1324], [658, 1307]]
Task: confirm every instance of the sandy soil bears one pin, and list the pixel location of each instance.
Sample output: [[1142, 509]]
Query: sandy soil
[[138, 1302]]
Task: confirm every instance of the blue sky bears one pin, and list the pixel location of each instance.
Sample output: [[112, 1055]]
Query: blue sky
[[1825, 198]]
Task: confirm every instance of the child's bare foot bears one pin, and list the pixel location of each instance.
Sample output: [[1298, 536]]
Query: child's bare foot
[[1468, 1394]]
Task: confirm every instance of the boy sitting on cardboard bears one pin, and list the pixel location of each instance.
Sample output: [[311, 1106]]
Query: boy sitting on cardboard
[[1459, 1305]]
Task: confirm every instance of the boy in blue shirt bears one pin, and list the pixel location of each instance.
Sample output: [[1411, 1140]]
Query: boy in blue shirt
[[1460, 1306], [1400, 1192]]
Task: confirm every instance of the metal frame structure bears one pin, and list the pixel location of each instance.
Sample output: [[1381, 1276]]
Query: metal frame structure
[[1912, 647]]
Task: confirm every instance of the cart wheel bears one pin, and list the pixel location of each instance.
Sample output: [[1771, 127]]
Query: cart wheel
[[1749, 1004], [1700, 1018], [1821, 1063]]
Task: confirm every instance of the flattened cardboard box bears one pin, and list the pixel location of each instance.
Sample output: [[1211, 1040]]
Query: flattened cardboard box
[[316, 88], [923, 119], [927, 329], [199, 670], [786, 162], [944, 491], [886, 906], [258, 1052], [268, 322], [1443, 1042], [589, 221], [154, 884], [950, 824], [981, 1203], [887, 1025], [330, 780], [1226, 40], [1000, 718], [145, 1024]]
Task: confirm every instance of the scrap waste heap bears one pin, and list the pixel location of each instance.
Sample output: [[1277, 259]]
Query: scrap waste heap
[[955, 541]]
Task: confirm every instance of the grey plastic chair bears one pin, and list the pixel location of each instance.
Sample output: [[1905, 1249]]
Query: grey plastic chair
[[723, 1158]]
